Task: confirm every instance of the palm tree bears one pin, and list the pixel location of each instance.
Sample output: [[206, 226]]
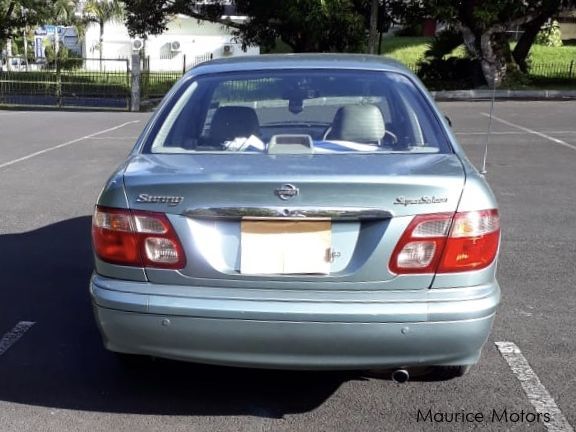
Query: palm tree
[[64, 13], [101, 12]]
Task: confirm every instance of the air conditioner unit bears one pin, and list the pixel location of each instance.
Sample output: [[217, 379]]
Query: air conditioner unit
[[228, 49], [137, 44], [175, 46]]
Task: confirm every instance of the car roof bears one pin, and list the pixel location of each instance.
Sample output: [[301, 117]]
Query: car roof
[[299, 61]]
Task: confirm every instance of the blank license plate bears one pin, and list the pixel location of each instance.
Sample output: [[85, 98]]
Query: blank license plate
[[285, 247]]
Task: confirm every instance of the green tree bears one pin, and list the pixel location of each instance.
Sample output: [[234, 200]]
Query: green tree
[[304, 25], [484, 25], [16, 15], [101, 12], [63, 12]]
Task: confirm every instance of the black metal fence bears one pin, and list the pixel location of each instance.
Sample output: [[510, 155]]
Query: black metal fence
[[557, 71], [106, 84], [541, 73], [67, 85], [155, 85]]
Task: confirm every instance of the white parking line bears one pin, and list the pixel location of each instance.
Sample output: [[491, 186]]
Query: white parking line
[[534, 389], [133, 138], [13, 335], [67, 143], [532, 131]]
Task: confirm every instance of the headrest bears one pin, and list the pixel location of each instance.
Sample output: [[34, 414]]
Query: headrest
[[358, 123], [229, 122]]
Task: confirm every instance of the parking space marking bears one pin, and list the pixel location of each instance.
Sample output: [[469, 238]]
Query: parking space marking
[[532, 131], [67, 143], [134, 138], [13, 335], [534, 389], [10, 113]]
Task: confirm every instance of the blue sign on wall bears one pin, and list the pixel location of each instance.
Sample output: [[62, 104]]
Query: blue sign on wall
[[39, 47]]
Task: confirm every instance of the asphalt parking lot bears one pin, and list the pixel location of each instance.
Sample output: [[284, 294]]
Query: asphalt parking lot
[[56, 376]]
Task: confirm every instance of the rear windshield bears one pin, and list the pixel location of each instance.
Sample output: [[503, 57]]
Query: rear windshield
[[303, 111]]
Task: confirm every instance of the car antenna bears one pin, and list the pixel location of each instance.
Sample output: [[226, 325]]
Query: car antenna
[[484, 171]]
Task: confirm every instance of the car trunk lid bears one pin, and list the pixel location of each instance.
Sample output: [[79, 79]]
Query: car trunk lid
[[364, 202]]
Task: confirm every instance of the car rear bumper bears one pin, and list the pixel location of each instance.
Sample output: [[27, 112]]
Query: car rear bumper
[[208, 331]]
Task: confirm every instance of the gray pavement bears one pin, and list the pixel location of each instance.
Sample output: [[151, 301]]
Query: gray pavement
[[57, 376]]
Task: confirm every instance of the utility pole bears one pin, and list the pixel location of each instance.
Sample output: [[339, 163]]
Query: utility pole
[[9, 54], [25, 38]]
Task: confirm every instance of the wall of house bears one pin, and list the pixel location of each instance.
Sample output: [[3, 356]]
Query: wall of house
[[197, 40], [568, 30]]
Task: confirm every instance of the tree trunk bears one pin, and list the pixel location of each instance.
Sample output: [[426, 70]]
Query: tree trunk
[[101, 42], [469, 40], [526, 41], [373, 36], [531, 29], [493, 60]]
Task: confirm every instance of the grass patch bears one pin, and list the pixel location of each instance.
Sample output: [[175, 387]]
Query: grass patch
[[549, 67], [406, 49], [410, 50], [544, 54]]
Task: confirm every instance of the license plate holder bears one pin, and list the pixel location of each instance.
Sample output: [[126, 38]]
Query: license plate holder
[[285, 247]]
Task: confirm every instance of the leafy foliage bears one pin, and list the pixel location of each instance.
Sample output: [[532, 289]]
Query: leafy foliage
[[440, 70], [304, 25], [484, 25], [15, 15], [67, 59], [550, 35], [102, 11], [444, 43]]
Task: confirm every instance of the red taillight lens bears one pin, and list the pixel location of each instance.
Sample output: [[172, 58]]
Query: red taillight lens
[[473, 241], [136, 238], [447, 243]]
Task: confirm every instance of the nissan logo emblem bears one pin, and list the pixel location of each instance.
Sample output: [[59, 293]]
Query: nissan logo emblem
[[287, 191]]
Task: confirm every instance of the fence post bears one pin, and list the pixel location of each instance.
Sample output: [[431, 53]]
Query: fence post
[[58, 82], [571, 68], [135, 87]]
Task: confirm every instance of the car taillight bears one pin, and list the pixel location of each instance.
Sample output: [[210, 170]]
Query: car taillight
[[136, 238], [448, 243]]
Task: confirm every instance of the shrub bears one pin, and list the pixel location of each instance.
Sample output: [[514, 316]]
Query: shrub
[[67, 59], [446, 73], [550, 35]]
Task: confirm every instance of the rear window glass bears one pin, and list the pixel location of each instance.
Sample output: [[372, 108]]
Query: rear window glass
[[303, 111]]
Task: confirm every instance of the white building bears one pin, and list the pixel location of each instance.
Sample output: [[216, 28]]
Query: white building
[[184, 43]]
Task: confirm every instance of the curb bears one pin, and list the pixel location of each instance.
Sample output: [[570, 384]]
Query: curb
[[486, 94]]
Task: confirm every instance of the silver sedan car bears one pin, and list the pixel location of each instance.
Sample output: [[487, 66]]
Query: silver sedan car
[[298, 212]]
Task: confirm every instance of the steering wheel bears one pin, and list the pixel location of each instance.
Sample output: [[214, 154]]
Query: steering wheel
[[326, 133], [392, 135]]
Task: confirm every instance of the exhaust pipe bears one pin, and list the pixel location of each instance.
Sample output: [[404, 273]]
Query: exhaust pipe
[[400, 376]]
